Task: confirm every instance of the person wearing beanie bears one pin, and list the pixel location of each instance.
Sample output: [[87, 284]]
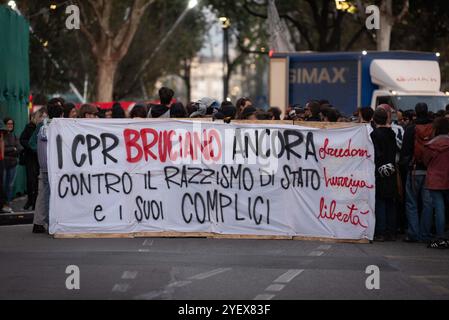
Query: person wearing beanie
[[228, 110]]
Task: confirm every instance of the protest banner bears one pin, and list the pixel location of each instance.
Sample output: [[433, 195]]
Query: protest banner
[[129, 177]]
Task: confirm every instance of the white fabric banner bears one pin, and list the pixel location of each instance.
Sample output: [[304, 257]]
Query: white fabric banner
[[127, 176]]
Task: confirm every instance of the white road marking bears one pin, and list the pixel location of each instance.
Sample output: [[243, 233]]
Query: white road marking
[[122, 287], [324, 247], [144, 250], [275, 287], [288, 276], [148, 243], [179, 284], [209, 274], [316, 254], [129, 275], [264, 297]]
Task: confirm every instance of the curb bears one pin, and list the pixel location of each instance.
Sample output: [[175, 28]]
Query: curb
[[19, 218]]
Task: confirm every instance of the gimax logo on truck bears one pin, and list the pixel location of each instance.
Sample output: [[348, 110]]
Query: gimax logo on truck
[[318, 75]]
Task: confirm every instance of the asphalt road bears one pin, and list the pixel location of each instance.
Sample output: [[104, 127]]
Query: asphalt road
[[34, 267]]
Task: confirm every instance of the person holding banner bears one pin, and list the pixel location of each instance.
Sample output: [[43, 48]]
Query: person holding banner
[[385, 147], [39, 142], [29, 158]]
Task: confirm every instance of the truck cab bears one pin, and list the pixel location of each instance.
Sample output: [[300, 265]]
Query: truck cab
[[402, 100]]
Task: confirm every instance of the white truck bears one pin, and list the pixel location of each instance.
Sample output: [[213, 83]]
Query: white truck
[[350, 80]]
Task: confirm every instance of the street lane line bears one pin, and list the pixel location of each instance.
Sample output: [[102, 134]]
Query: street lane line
[[324, 247], [179, 284], [316, 254], [264, 297], [288, 276], [209, 274], [122, 288], [129, 275], [275, 287], [144, 250]]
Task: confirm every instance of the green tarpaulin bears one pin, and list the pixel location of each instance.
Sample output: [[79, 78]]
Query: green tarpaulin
[[14, 73]]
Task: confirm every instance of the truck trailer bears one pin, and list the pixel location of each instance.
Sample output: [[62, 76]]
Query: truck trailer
[[351, 80]]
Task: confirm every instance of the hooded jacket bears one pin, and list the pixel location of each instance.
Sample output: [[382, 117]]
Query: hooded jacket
[[436, 157]]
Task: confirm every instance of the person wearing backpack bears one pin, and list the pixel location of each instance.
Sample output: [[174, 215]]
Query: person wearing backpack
[[415, 138], [436, 157]]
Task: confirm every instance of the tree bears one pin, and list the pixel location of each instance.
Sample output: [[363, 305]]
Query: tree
[[75, 61], [110, 40], [246, 32], [316, 25], [388, 19], [143, 66]]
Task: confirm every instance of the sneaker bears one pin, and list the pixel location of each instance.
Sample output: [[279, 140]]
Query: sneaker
[[7, 209], [439, 244], [39, 229]]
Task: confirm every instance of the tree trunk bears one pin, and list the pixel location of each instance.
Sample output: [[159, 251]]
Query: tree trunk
[[386, 26], [384, 33], [106, 70], [187, 77]]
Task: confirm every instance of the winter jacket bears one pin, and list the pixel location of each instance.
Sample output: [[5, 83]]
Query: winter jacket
[[436, 157], [159, 111], [385, 148], [408, 146], [12, 150], [25, 137], [38, 142]]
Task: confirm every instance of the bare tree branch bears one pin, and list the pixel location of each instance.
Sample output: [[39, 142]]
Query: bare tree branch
[[404, 11], [126, 33]]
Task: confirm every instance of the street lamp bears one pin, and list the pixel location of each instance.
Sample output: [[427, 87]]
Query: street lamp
[[346, 6], [12, 5], [192, 4], [225, 25]]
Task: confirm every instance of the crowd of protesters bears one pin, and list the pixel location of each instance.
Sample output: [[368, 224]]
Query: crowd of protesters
[[411, 155]]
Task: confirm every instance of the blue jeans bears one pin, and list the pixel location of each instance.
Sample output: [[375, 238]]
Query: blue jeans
[[385, 217], [9, 177], [420, 231], [440, 214]]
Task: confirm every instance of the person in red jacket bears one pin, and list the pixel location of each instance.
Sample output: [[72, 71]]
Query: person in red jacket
[[436, 158]]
